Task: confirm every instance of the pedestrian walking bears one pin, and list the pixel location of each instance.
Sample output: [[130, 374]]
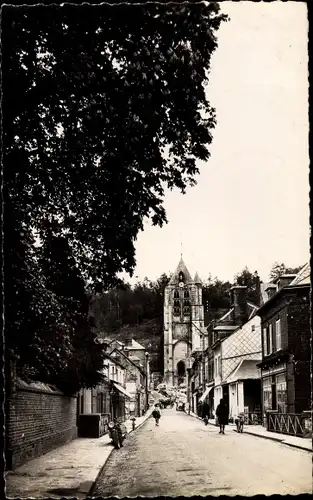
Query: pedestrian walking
[[156, 415], [222, 415]]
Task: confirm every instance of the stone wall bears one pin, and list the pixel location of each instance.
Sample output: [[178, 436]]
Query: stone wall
[[38, 419]]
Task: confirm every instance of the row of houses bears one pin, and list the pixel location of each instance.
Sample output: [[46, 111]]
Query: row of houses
[[257, 358], [126, 387]]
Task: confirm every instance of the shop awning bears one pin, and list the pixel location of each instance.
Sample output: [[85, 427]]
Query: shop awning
[[206, 392], [122, 390], [245, 370]]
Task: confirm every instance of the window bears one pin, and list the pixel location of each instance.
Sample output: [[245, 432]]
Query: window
[[217, 365], [186, 307], [176, 294], [270, 336], [186, 294], [264, 341], [278, 335], [176, 307], [281, 393], [267, 394]]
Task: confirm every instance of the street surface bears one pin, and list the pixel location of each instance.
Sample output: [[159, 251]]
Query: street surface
[[183, 457]]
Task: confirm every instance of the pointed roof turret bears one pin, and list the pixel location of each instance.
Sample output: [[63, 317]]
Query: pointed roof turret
[[197, 280], [181, 268]]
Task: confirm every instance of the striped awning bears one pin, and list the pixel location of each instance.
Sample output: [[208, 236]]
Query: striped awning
[[206, 392]]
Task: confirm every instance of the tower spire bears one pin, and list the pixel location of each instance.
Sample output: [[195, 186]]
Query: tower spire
[[181, 250]]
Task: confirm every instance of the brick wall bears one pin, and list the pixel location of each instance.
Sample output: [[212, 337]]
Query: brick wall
[[299, 345], [37, 420]]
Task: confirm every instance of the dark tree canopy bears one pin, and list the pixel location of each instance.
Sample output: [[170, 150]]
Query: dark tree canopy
[[103, 108], [94, 98], [252, 282]]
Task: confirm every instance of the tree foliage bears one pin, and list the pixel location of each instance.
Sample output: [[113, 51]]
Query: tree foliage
[[252, 282], [103, 108], [93, 96], [278, 269]]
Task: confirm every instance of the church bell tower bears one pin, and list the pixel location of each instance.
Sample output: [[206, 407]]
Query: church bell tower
[[183, 322]]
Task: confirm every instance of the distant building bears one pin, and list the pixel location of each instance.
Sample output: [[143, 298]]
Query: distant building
[[134, 382], [108, 397], [183, 323]]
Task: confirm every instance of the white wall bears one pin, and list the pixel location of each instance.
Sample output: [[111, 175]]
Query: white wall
[[236, 399]]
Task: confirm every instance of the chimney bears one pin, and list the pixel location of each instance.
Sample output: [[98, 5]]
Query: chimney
[[239, 303], [284, 280], [270, 291]]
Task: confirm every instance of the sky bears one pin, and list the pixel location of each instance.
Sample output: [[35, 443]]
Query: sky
[[251, 203]]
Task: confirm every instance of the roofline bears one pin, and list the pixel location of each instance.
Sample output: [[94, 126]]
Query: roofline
[[126, 357], [280, 292], [108, 356]]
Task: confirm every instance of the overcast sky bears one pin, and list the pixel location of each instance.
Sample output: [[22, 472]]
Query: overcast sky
[[250, 206]]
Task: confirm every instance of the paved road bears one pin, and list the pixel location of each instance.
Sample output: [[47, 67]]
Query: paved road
[[183, 457]]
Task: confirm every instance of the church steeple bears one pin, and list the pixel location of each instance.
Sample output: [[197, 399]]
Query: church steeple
[[181, 271], [197, 280]]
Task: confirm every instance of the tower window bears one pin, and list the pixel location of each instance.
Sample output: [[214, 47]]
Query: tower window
[[181, 276], [176, 294], [176, 307], [186, 307], [186, 294]]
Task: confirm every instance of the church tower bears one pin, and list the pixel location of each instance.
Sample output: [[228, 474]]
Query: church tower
[[183, 322]]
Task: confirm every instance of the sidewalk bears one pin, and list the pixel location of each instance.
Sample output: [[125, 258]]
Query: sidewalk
[[67, 471], [261, 432]]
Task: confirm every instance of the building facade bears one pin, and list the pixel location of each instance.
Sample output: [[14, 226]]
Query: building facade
[[135, 383], [240, 377], [286, 363], [241, 311], [183, 323]]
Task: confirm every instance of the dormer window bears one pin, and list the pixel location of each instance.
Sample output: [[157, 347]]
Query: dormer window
[[181, 277]]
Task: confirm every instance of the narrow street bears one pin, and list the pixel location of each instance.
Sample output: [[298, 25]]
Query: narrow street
[[183, 457]]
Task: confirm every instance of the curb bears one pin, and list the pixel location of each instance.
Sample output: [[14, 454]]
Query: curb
[[278, 440], [89, 494]]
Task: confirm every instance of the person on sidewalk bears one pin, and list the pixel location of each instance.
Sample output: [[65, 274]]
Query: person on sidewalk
[[222, 415], [239, 422], [156, 415]]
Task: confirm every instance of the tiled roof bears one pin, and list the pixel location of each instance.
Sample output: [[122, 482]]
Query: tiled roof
[[303, 276]]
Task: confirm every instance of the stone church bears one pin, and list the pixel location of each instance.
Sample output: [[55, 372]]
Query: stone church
[[183, 323]]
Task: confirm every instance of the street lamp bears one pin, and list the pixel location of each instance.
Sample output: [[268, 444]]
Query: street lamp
[[147, 396]]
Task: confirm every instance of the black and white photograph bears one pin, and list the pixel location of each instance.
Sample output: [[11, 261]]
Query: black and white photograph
[[156, 248]]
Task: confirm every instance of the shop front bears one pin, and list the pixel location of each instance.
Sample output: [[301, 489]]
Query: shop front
[[118, 401]]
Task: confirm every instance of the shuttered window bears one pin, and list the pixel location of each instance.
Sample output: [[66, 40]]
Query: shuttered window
[[278, 335]]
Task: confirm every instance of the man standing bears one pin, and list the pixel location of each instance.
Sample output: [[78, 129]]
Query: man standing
[[156, 415]]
